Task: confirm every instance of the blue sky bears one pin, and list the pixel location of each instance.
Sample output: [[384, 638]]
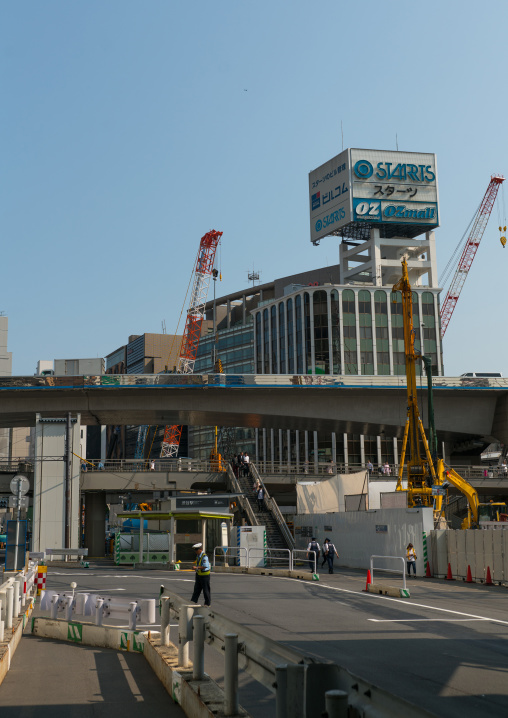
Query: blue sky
[[127, 134]]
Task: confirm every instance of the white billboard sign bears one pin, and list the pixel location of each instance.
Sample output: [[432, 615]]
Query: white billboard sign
[[394, 191], [330, 201]]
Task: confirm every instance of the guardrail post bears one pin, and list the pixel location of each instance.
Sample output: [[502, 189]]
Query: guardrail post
[[281, 685], [231, 674], [336, 704], [69, 601], [199, 648], [98, 611], [296, 690], [23, 590], [54, 606], [133, 614], [165, 621], [16, 602], [8, 613], [184, 634]]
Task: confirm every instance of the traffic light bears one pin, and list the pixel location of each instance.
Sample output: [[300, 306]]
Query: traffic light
[[4, 502]]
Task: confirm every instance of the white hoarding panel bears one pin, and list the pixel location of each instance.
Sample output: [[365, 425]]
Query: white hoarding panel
[[397, 192], [330, 202]]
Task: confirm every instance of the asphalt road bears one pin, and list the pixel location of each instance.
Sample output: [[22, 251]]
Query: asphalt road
[[445, 648]]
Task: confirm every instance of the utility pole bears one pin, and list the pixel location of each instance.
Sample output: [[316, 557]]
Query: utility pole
[[68, 476]]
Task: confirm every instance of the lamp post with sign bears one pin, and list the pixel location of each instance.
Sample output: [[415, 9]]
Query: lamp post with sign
[[16, 530]]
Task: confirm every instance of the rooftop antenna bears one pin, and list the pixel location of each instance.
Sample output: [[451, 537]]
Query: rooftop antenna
[[164, 326], [253, 276], [396, 142], [342, 134]]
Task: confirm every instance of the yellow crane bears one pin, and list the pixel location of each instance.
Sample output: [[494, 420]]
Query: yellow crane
[[420, 468]]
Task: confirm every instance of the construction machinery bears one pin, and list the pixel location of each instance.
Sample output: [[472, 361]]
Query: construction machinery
[[479, 224], [428, 476], [419, 465]]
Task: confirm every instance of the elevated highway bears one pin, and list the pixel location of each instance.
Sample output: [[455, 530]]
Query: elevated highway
[[465, 408]]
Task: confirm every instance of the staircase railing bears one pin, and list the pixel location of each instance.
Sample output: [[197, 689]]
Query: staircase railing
[[272, 506], [244, 501]]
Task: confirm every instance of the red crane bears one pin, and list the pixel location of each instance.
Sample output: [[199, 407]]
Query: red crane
[[471, 247], [192, 332]]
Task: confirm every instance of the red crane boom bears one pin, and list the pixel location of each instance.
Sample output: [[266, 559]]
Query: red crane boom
[[470, 249], [192, 331]]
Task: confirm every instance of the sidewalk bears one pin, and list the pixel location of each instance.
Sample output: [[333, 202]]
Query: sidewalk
[[53, 679]]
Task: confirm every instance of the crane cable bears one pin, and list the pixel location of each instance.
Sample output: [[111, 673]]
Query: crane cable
[[445, 274], [184, 305], [501, 215]]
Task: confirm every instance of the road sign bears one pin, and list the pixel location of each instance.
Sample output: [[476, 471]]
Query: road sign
[[13, 502], [20, 484]]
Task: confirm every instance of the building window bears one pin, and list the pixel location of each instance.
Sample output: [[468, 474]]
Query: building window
[[349, 332], [321, 346], [291, 358], [273, 318], [382, 338], [282, 339], [299, 334], [259, 357], [334, 308], [307, 337], [266, 341], [365, 321]]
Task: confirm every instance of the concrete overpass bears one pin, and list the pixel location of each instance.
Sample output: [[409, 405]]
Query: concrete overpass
[[465, 408]]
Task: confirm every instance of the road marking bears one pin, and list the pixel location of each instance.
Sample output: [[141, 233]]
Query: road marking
[[425, 620], [405, 602]]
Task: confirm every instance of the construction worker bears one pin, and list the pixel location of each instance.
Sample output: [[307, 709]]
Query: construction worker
[[202, 581]]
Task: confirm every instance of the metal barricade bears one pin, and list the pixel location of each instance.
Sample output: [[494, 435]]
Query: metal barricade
[[389, 570], [299, 556], [229, 554], [268, 556]]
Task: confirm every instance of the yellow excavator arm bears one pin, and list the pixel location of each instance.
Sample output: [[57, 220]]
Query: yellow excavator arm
[[445, 473]]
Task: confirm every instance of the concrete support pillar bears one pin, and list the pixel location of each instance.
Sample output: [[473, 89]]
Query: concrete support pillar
[[316, 457], [95, 521]]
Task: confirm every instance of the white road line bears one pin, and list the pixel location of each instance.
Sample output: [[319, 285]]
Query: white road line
[[398, 600], [425, 620]]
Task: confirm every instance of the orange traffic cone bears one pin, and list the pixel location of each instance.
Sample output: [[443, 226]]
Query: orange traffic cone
[[449, 576], [469, 578], [369, 580], [488, 580], [427, 572]]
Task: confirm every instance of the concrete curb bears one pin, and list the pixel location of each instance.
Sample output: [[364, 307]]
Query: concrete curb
[[88, 634], [285, 573], [10, 642], [198, 699], [385, 590]]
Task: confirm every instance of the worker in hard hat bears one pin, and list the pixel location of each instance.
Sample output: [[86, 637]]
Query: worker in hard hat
[[202, 582]]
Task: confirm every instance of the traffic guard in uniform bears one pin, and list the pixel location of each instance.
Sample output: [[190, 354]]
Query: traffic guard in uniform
[[202, 569]]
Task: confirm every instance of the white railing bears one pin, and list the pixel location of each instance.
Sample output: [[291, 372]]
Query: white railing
[[269, 556], [296, 679], [69, 605], [389, 570], [229, 554], [14, 593]]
